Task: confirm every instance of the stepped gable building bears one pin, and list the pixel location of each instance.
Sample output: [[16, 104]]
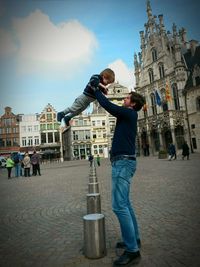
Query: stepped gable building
[[161, 74], [9, 132], [50, 131]]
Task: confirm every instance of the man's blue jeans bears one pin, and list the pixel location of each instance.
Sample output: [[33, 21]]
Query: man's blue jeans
[[122, 173], [17, 169]]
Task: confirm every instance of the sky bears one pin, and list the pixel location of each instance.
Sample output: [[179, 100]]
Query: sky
[[49, 49]]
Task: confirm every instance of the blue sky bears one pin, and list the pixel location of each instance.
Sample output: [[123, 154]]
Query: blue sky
[[50, 48]]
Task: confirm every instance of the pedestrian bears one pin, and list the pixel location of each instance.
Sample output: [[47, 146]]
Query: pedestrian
[[91, 158], [21, 157], [106, 77], [123, 160], [9, 165], [185, 150], [17, 164], [35, 161], [27, 165], [171, 151], [98, 160]]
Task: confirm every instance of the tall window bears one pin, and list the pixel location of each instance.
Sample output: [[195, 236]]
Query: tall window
[[154, 54], [43, 138], [175, 95], [49, 116], [153, 104], [151, 76], [164, 102], [198, 103], [23, 141], [161, 70]]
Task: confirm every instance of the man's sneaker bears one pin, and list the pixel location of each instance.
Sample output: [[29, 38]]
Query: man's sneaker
[[60, 116], [127, 259], [66, 120], [123, 246]]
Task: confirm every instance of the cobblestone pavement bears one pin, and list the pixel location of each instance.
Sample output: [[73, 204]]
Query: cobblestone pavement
[[41, 218]]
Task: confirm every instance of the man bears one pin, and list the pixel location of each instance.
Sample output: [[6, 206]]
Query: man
[[123, 168]]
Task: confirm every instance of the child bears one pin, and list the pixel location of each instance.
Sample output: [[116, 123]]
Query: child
[[106, 77]]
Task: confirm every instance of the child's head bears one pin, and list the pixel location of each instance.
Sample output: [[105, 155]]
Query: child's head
[[108, 76]]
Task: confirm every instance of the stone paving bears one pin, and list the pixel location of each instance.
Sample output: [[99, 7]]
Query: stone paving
[[41, 218]]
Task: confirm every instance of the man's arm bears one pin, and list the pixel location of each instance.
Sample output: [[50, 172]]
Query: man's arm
[[113, 109]]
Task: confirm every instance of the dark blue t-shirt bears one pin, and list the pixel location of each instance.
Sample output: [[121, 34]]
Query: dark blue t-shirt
[[94, 82], [126, 126]]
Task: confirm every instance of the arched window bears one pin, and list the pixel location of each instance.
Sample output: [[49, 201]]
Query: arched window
[[175, 95], [151, 76], [161, 70], [154, 54], [153, 104]]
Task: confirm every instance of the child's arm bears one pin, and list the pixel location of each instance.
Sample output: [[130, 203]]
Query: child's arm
[[103, 88]]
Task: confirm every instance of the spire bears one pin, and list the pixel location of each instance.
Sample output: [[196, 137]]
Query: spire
[[136, 61], [149, 10]]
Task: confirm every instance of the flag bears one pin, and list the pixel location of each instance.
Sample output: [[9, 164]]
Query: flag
[[167, 93], [158, 99], [145, 107]]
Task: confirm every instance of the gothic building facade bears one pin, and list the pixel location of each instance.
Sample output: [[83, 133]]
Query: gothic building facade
[[161, 75]]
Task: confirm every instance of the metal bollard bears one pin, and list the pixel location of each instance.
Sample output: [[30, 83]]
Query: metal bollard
[[94, 236], [93, 188], [93, 203], [92, 179]]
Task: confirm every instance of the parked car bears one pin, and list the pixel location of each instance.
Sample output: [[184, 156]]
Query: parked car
[[2, 162]]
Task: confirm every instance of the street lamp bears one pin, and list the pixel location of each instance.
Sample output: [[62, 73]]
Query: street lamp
[[61, 146]]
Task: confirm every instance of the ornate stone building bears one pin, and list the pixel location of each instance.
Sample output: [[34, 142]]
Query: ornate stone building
[[161, 74], [192, 95]]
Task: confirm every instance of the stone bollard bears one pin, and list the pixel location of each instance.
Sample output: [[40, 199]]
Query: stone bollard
[[93, 188], [93, 203], [94, 236]]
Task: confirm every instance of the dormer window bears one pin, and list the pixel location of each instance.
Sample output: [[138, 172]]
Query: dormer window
[[154, 54]]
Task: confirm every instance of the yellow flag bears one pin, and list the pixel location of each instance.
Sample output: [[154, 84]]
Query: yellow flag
[[167, 92]]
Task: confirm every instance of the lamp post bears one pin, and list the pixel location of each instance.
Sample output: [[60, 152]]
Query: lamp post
[[61, 146], [187, 119]]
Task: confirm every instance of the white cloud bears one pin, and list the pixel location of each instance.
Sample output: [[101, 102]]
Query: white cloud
[[123, 74], [7, 46], [44, 46]]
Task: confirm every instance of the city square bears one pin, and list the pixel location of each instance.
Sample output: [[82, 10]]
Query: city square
[[41, 222]]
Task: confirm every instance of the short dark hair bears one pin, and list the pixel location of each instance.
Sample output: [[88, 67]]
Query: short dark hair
[[138, 99]]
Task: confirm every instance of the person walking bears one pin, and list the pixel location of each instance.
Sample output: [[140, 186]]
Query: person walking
[[185, 150], [98, 160], [35, 161], [9, 165], [172, 151], [123, 160], [91, 158], [27, 165]]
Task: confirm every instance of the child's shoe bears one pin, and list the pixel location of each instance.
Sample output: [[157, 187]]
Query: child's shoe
[[60, 116]]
